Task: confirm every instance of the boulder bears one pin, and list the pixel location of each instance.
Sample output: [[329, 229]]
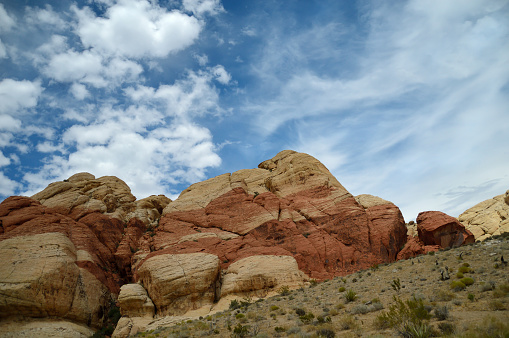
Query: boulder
[[260, 275], [39, 277], [135, 302], [179, 283], [488, 218], [437, 228]]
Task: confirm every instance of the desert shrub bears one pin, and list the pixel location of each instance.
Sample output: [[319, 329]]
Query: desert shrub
[[467, 281], [471, 297], [447, 328], [274, 308], [464, 269], [240, 330], [340, 306], [234, 304], [459, 275], [328, 333], [443, 296], [457, 285], [294, 330], [333, 312], [442, 312], [239, 315], [496, 305], [347, 323], [487, 286], [408, 318], [490, 327], [396, 284], [342, 289], [361, 308], [300, 312], [313, 283], [279, 329], [350, 296], [307, 318], [284, 290], [504, 287]]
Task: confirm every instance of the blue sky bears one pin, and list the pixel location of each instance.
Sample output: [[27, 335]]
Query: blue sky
[[406, 100]]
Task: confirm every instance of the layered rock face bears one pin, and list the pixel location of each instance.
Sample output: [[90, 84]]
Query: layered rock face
[[57, 264], [74, 247], [488, 218]]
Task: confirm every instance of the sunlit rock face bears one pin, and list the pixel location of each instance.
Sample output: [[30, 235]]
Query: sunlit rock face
[[488, 218]]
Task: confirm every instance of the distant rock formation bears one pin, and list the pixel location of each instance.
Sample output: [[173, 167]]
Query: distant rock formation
[[488, 218], [79, 245]]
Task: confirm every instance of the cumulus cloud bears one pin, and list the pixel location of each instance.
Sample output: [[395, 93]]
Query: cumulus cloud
[[79, 91], [221, 74], [7, 186], [15, 95], [136, 29], [152, 143]]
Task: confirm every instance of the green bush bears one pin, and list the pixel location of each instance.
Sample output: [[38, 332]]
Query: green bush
[[240, 330], [284, 290], [471, 297], [239, 315], [274, 308], [342, 289], [350, 296], [457, 285], [447, 328], [234, 304], [279, 329], [467, 281], [459, 275], [408, 318], [464, 269]]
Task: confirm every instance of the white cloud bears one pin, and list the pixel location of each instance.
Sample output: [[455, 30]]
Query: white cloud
[[221, 74], [201, 7], [46, 16], [79, 91], [137, 29], [15, 95], [91, 68], [9, 123], [6, 21], [152, 144], [4, 160], [202, 59], [7, 186]]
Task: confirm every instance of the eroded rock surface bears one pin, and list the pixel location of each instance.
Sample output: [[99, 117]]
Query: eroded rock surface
[[437, 228], [488, 218], [178, 283], [135, 302]]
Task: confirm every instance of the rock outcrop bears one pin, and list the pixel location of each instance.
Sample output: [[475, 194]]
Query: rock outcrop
[[435, 231], [437, 228], [135, 302], [108, 195], [71, 249], [488, 218]]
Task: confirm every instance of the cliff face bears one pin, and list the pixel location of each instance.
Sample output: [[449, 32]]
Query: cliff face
[[73, 245]]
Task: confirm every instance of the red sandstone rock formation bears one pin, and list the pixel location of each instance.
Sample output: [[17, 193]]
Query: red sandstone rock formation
[[289, 210], [437, 228]]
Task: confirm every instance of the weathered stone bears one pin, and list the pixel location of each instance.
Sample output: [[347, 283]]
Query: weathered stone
[[488, 218], [259, 275], [39, 278], [178, 283], [437, 228], [135, 302], [43, 328]]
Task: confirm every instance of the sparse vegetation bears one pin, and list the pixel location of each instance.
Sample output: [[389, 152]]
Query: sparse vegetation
[[425, 305]]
